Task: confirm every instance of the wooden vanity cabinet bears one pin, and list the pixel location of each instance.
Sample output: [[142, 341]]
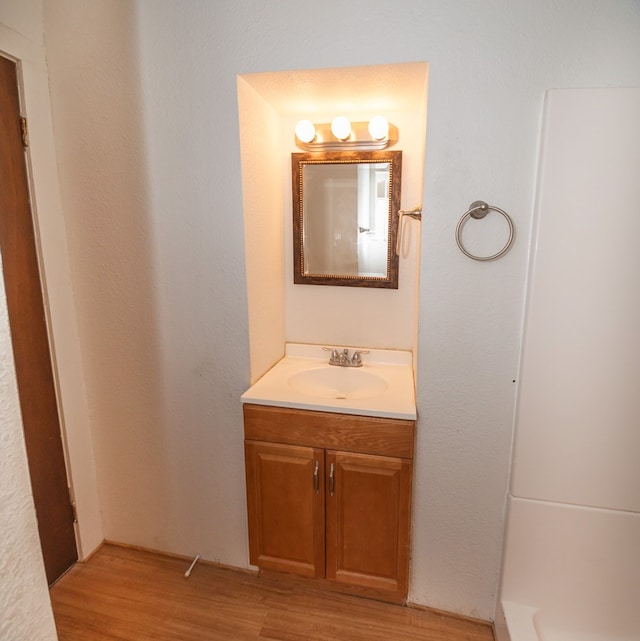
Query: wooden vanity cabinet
[[329, 497]]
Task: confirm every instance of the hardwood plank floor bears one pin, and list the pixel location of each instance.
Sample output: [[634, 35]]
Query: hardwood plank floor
[[122, 594]]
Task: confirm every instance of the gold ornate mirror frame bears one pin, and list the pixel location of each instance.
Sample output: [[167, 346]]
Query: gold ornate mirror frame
[[328, 194]]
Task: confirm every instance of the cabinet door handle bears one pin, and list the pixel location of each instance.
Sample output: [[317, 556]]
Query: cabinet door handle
[[316, 478], [332, 480]]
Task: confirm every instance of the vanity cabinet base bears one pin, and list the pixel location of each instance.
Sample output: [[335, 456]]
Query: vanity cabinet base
[[336, 510]]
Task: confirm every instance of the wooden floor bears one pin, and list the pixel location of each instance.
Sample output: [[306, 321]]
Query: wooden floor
[[128, 595]]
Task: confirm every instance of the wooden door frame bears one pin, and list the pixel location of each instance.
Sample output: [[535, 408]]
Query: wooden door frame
[[43, 277], [26, 186], [56, 266]]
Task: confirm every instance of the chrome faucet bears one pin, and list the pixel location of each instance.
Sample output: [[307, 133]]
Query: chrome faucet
[[342, 358]]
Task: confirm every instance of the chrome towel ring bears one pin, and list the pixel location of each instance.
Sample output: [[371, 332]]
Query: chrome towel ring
[[478, 210]]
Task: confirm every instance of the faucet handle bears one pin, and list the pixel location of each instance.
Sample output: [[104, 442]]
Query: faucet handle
[[356, 359], [334, 359]]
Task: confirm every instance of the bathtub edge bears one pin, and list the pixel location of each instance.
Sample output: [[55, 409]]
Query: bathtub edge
[[519, 622]]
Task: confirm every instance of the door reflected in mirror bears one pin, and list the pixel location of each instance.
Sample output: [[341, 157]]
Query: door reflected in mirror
[[345, 218]]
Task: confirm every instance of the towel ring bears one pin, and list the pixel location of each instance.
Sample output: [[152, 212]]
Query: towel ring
[[478, 210]]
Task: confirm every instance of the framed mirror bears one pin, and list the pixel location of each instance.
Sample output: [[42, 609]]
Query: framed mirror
[[345, 218]]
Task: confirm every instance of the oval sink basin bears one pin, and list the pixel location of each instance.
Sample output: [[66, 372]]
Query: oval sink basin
[[337, 382]]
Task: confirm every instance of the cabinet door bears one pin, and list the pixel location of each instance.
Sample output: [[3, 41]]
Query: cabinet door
[[368, 504], [285, 504]]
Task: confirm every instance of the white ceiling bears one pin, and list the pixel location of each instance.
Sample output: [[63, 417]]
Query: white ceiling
[[393, 87]]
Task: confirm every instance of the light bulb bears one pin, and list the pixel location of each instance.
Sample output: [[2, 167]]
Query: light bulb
[[379, 128], [305, 131], [341, 127]]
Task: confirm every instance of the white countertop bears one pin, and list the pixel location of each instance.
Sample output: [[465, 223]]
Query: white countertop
[[394, 367]]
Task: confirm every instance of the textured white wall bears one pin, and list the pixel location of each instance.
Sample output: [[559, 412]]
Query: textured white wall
[[147, 129], [150, 180], [264, 240]]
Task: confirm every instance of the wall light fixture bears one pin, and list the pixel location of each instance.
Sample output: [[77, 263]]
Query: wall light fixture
[[343, 135]]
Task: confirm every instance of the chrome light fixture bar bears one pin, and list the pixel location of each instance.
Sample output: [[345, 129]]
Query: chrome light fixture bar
[[343, 135]]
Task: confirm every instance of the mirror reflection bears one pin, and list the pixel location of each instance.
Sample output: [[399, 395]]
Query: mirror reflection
[[345, 218]]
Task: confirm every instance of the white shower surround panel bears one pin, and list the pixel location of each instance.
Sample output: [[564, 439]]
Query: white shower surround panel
[[578, 408], [572, 561]]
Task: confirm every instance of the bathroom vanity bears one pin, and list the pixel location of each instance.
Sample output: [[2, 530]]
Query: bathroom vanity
[[329, 486]]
